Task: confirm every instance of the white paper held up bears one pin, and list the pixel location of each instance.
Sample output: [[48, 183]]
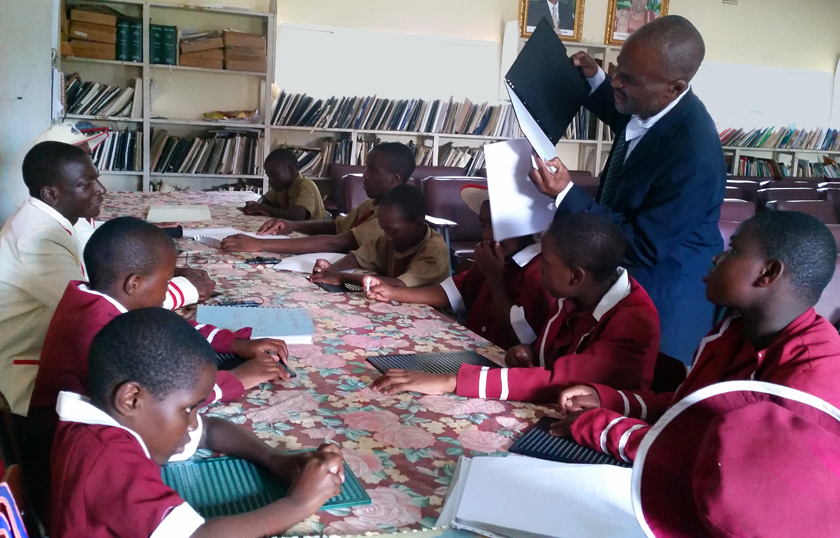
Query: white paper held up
[[518, 208], [535, 135]]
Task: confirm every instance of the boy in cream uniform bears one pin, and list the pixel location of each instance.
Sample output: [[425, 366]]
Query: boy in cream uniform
[[41, 249]]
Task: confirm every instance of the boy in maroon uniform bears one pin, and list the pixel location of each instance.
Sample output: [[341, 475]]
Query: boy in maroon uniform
[[777, 265], [603, 327], [501, 292], [129, 262], [150, 372]]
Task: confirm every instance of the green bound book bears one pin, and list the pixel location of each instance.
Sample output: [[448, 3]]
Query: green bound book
[[170, 45], [123, 40], [156, 44], [135, 41]]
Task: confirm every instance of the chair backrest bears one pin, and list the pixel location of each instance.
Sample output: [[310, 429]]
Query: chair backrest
[[736, 210], [791, 193], [829, 185], [835, 231], [821, 209], [727, 229], [829, 303], [788, 183], [339, 189], [668, 374], [832, 194], [748, 188], [443, 196], [734, 193], [354, 189]]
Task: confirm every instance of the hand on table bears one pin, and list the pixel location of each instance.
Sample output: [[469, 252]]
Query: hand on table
[[198, 278], [321, 273], [254, 208], [550, 183], [288, 467], [260, 370], [260, 348], [277, 227], [241, 243], [394, 381], [574, 401], [319, 479], [563, 427], [490, 261], [520, 356], [376, 290], [587, 65]]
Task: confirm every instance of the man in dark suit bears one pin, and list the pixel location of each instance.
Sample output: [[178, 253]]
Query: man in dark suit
[[665, 179], [546, 9]]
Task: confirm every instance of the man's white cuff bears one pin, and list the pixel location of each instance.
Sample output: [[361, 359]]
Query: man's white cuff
[[456, 301], [520, 326]]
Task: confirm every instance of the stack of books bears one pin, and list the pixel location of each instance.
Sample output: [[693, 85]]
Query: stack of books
[[755, 167], [93, 32], [783, 138], [202, 49], [95, 99], [227, 151], [584, 126], [310, 161], [827, 170], [245, 52], [163, 44], [470, 159], [422, 153], [406, 115], [121, 151]]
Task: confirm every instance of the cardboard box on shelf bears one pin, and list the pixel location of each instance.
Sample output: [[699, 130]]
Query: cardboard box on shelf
[[212, 54], [242, 39], [207, 63], [197, 45], [256, 65], [98, 33], [245, 52], [89, 49], [66, 48], [94, 17]]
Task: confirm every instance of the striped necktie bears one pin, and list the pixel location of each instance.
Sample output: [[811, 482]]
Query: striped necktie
[[619, 152]]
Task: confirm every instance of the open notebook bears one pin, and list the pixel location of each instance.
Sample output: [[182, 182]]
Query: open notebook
[[519, 497], [213, 236], [178, 213], [293, 325], [304, 263]]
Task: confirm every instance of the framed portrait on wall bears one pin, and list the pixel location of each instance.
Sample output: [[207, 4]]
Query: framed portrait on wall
[[626, 16], [566, 16]]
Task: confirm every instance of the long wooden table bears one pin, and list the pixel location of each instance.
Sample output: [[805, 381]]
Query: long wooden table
[[404, 447]]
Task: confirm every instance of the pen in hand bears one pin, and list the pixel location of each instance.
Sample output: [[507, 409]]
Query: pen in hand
[[285, 366]]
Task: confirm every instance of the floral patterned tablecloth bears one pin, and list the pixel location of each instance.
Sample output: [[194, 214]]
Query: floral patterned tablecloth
[[403, 448]]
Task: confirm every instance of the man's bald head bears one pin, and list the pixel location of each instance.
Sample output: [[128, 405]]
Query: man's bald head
[[678, 42]]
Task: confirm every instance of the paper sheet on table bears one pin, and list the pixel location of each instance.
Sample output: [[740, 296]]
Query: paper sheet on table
[[178, 213], [518, 208], [519, 496], [304, 263], [214, 236]]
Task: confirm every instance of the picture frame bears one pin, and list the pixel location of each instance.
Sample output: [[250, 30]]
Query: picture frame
[[569, 17], [626, 16]]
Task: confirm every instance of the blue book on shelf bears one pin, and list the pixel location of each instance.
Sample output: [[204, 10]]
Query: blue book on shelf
[[294, 325]]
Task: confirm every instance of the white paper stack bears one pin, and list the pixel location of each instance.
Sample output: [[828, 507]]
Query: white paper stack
[[214, 236], [178, 213]]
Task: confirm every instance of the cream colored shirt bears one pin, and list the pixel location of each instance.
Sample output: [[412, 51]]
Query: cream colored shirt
[[302, 192], [425, 264], [362, 221]]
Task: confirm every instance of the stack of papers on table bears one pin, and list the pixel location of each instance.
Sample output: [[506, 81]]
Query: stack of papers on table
[[177, 213], [293, 325], [517, 497], [304, 263], [213, 236]]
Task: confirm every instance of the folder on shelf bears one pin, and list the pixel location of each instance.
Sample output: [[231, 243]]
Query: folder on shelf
[[549, 89], [293, 325]]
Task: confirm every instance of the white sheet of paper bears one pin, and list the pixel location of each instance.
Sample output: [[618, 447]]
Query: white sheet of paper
[[304, 263], [535, 135], [178, 213], [542, 498], [518, 208]]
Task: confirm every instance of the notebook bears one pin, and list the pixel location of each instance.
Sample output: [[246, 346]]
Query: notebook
[[537, 442], [547, 85], [435, 363], [530, 498], [213, 236], [304, 263], [178, 213], [228, 486], [293, 325]]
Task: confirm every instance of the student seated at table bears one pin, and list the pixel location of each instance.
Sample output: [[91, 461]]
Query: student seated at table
[[409, 253], [129, 262], [502, 291], [41, 251], [292, 196], [150, 372], [772, 275], [604, 327], [388, 165]]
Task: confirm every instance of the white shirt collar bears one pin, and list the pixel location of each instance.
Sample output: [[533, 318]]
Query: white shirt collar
[[616, 294], [524, 256], [72, 407], [117, 305], [53, 213], [637, 127]]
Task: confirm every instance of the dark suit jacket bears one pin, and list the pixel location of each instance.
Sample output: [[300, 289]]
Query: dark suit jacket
[[538, 9], [667, 202]]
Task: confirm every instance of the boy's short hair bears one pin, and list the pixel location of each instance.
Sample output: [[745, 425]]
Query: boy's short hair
[[150, 346], [408, 200], [400, 158], [802, 243], [42, 164], [589, 242], [124, 246], [282, 156]]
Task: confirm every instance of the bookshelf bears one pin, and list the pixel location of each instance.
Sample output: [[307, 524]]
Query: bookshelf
[[797, 151], [167, 88]]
